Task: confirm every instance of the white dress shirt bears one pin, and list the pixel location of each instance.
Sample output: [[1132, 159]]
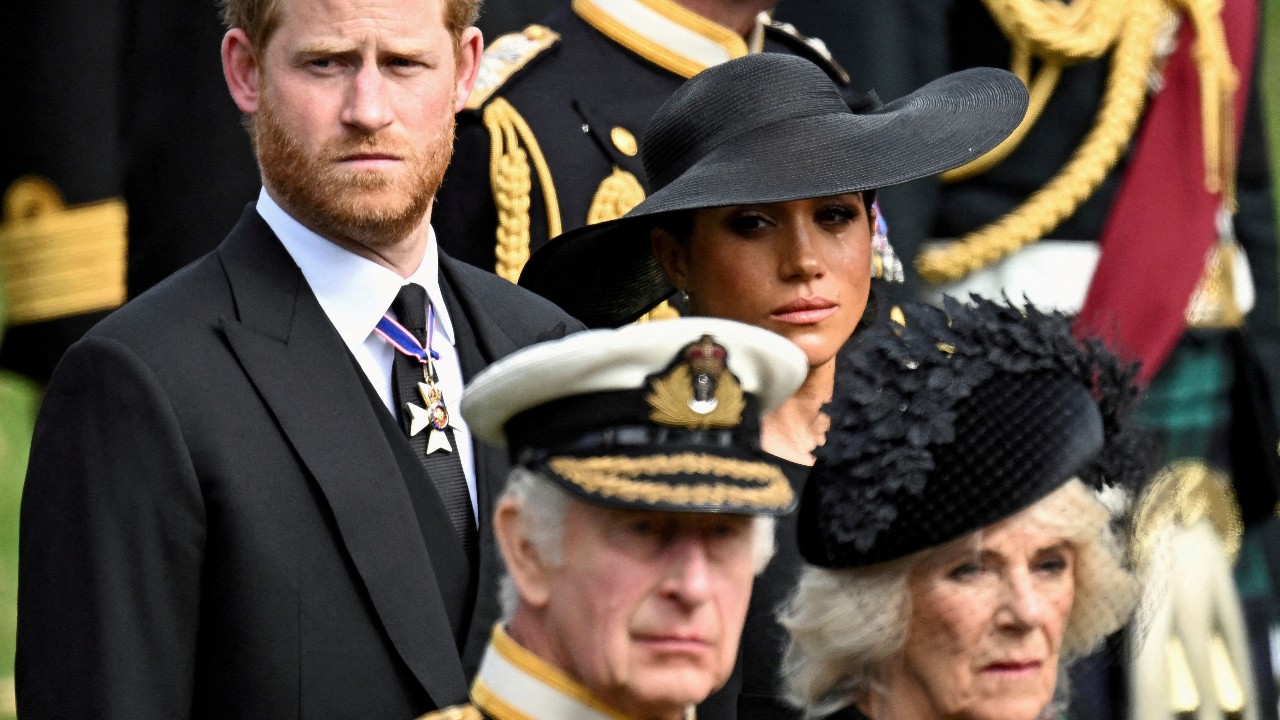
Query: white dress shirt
[[355, 292]]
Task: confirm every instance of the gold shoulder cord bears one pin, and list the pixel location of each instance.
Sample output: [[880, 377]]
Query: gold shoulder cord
[[509, 174], [1060, 35], [1055, 34]]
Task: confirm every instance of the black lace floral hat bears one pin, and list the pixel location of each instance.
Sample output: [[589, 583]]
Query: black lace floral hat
[[961, 417]]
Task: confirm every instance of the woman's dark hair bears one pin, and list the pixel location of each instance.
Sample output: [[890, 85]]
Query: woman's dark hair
[[680, 222]]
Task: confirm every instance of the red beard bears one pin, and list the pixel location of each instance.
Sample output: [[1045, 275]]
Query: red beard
[[372, 208]]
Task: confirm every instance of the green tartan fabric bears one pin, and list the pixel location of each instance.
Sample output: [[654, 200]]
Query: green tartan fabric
[[1189, 404], [1253, 578]]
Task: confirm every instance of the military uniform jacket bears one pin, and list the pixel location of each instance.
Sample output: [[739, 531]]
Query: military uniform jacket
[[548, 142], [515, 684]]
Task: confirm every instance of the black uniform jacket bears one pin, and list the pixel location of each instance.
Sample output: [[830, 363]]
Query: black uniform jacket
[[221, 519], [585, 99]]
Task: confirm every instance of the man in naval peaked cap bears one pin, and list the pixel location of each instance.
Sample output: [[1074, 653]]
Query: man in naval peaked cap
[[638, 511]]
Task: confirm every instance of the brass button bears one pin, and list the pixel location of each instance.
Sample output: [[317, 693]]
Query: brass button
[[624, 141]]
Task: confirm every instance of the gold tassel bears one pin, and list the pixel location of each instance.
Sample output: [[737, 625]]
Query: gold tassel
[[615, 197], [1226, 679], [1183, 696], [1218, 84]]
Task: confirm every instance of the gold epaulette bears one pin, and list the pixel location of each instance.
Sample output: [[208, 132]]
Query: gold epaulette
[[615, 197], [505, 57], [457, 712], [57, 261]]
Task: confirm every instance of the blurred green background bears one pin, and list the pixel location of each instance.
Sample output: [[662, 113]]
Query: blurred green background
[[18, 400]]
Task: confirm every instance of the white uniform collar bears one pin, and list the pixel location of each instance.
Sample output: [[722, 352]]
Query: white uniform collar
[[669, 35], [515, 684], [353, 291]]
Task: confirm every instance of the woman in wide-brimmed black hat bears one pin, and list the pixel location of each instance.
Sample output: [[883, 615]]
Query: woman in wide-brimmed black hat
[[762, 181], [961, 552]]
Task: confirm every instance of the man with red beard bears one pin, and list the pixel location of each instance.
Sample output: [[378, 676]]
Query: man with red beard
[[247, 496]]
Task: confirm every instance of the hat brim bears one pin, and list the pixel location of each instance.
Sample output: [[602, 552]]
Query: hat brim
[[605, 274]]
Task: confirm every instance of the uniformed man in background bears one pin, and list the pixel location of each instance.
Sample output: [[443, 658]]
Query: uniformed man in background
[[635, 518], [548, 141]]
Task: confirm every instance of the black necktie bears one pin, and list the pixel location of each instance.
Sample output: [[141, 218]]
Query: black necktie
[[444, 467]]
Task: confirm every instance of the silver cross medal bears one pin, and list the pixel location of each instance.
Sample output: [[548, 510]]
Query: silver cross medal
[[435, 415]]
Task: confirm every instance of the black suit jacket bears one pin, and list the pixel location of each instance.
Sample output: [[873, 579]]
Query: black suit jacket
[[215, 523]]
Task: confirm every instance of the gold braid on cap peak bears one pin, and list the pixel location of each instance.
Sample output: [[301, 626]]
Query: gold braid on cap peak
[[1059, 35], [626, 479], [510, 177]]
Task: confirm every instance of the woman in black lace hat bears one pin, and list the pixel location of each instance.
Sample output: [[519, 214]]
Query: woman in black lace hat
[[762, 181], [962, 554]]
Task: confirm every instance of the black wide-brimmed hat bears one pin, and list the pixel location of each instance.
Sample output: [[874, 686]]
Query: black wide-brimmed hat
[[654, 416], [960, 418], [767, 128]]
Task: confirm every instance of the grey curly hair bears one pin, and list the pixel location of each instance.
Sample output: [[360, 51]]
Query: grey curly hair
[[847, 624]]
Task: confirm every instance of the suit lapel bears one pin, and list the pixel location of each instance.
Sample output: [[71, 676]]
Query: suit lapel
[[487, 340], [479, 341], [300, 366]]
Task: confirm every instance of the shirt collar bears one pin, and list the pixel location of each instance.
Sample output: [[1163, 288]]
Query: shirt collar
[[353, 291], [669, 35], [515, 684]]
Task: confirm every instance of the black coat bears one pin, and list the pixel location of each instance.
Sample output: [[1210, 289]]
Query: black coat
[[498, 17], [757, 681], [216, 522]]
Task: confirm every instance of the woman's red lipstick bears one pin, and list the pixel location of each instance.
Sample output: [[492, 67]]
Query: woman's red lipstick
[[804, 311], [1013, 667]]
